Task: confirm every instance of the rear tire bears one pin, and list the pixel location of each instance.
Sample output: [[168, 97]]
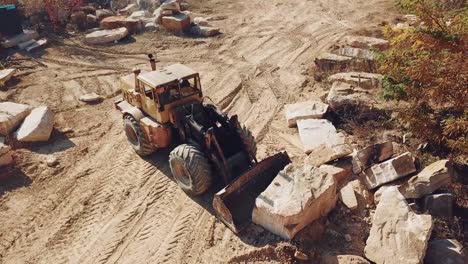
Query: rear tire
[[248, 139], [191, 169], [136, 137]]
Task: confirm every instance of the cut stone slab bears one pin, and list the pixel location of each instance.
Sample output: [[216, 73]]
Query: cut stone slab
[[439, 204], [295, 198], [17, 39], [398, 235], [90, 98], [204, 31], [344, 96], [373, 154], [11, 115], [390, 170], [129, 9], [37, 126], [176, 23], [5, 75], [304, 110], [363, 42], [363, 80], [103, 13], [338, 170], [348, 197], [329, 62], [325, 153], [115, 22], [106, 36], [316, 132], [355, 53], [36, 44], [446, 251], [430, 179]]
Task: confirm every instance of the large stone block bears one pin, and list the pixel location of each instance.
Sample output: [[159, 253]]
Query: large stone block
[[326, 152], [431, 178], [304, 110], [398, 235], [389, 171], [106, 36], [37, 126], [329, 62], [11, 115], [355, 53], [346, 98], [373, 154], [358, 79], [446, 251], [171, 5], [17, 39], [115, 22], [364, 42], [176, 23], [295, 198], [316, 132], [103, 13]]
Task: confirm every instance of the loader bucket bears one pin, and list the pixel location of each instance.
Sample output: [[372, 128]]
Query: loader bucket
[[234, 203]]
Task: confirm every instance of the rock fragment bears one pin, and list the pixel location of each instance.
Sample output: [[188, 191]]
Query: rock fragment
[[389, 171], [204, 31], [304, 110], [37, 126], [373, 154], [106, 36], [90, 98], [316, 132], [17, 39], [326, 153], [11, 115], [295, 198], [5, 75], [398, 235], [430, 179], [348, 197], [177, 23]]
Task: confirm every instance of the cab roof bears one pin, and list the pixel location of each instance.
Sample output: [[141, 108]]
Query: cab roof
[[166, 75]]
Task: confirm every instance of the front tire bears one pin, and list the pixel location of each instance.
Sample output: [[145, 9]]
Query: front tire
[[136, 137], [191, 169]]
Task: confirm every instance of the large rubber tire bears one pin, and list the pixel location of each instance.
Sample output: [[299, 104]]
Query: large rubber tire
[[191, 169], [248, 139], [136, 137]]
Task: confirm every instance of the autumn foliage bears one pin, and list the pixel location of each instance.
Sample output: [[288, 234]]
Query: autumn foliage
[[427, 66]]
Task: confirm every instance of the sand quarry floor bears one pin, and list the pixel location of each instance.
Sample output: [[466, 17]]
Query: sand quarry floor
[[104, 203]]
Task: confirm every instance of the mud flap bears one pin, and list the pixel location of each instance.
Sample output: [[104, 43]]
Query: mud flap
[[234, 203]]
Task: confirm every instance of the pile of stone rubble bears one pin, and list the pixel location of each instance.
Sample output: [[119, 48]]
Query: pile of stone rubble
[[400, 199], [106, 26], [23, 123], [28, 40]]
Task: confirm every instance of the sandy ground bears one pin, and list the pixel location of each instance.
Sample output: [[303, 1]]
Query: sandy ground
[[105, 204]]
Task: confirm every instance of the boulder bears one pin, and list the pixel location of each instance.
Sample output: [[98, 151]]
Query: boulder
[[363, 80], [129, 9], [79, 19], [37, 126], [355, 53], [106, 36], [373, 154], [439, 204], [344, 97], [329, 62], [326, 152], [171, 5], [431, 178], [37, 44], [17, 39], [295, 198], [205, 32], [446, 251], [115, 22], [348, 197], [176, 23], [91, 20], [398, 235], [5, 75], [363, 42], [103, 13], [316, 132], [11, 115], [90, 98], [304, 110], [140, 14], [390, 170]]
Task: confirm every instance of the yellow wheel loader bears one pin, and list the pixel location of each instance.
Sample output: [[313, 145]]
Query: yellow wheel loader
[[164, 107]]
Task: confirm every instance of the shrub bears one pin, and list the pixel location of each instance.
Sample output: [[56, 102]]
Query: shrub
[[427, 67]]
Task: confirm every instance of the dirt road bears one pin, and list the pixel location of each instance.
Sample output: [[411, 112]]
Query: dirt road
[[105, 204]]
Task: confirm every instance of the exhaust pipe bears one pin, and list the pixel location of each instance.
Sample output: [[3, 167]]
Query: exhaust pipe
[[152, 62], [136, 72]]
